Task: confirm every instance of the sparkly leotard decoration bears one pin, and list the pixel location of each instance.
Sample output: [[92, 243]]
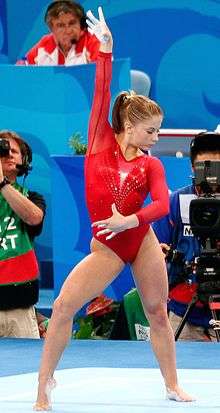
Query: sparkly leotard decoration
[[110, 178]]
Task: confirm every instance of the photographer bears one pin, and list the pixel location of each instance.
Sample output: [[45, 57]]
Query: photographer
[[22, 213], [181, 248]]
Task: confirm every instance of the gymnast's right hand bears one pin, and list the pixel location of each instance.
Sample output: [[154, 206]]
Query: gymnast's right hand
[[100, 30], [116, 223]]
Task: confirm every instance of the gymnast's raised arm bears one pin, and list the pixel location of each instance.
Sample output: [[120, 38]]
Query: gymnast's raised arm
[[98, 123]]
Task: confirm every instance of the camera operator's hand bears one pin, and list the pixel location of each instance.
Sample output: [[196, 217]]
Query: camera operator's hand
[[165, 248]]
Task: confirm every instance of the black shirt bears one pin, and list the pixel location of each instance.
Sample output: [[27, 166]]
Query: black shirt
[[27, 294]]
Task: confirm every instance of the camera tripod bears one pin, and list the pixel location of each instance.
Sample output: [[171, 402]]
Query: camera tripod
[[214, 305]]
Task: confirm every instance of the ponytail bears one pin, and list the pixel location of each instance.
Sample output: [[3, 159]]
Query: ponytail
[[119, 110], [134, 108]]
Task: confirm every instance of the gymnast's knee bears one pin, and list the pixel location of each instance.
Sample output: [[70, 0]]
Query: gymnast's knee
[[157, 314], [63, 309]]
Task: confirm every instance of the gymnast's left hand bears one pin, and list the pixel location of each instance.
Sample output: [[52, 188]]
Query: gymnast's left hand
[[116, 223], [98, 27]]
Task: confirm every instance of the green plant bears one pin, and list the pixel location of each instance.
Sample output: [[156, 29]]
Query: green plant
[[85, 328], [75, 143], [96, 327]]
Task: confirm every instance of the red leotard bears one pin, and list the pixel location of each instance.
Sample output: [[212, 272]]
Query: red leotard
[[110, 178]]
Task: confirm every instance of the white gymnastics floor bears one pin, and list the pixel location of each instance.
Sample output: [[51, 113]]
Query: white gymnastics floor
[[106, 389]]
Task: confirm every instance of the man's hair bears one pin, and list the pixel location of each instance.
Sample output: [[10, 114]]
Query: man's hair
[[204, 142], [58, 7]]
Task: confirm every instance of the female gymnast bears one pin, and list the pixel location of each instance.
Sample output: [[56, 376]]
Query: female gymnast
[[119, 175]]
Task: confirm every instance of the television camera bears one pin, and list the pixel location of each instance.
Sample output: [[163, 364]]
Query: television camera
[[204, 217]]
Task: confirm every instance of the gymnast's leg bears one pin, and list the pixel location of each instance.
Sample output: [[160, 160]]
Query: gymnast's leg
[[86, 281], [151, 279]]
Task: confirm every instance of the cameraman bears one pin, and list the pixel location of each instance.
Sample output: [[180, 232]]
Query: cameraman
[[181, 246], [22, 213]]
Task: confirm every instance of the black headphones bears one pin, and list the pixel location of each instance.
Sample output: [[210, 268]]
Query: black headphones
[[26, 154], [75, 8]]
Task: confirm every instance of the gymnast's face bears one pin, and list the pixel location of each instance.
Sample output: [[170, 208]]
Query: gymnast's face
[[144, 134]]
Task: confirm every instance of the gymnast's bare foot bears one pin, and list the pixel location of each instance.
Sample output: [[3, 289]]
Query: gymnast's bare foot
[[178, 395], [43, 402]]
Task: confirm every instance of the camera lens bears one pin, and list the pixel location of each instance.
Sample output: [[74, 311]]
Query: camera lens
[[206, 216], [4, 147]]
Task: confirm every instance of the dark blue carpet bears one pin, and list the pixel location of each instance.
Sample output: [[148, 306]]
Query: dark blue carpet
[[23, 356]]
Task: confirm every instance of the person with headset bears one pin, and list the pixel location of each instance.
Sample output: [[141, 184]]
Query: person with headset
[[173, 231], [21, 219], [69, 43]]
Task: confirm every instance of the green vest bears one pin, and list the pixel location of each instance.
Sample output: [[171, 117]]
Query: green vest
[[18, 263]]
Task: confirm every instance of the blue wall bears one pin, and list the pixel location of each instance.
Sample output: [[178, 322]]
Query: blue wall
[[176, 42]]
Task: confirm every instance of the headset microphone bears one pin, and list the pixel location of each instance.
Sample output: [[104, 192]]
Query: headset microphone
[[23, 169]]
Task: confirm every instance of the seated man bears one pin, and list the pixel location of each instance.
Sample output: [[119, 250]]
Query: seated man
[[69, 42], [174, 231]]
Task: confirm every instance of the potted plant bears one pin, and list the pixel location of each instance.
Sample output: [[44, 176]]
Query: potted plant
[[76, 143]]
